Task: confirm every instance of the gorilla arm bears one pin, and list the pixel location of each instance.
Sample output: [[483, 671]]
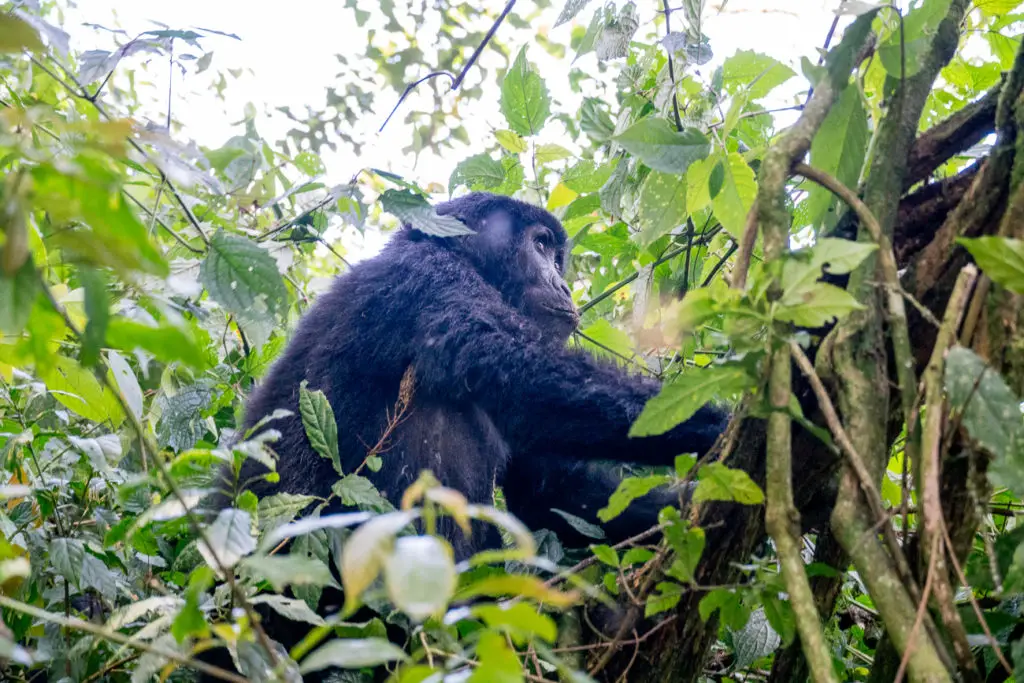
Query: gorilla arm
[[472, 347]]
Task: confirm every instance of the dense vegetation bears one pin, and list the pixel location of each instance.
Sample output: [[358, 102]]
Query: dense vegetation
[[857, 521]]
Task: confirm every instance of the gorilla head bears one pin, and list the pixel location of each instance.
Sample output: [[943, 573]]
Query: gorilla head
[[521, 251]]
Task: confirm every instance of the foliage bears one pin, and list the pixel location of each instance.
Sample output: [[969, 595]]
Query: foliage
[[146, 284]]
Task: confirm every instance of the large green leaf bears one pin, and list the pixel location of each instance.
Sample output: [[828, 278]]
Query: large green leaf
[[759, 72], [478, 172], [17, 294], [413, 210], [817, 305], [680, 399], [167, 342], [838, 149], [659, 145], [733, 201], [80, 391], [115, 238], [919, 29], [1002, 259], [662, 205], [321, 428], [352, 653], [715, 481], [628, 490], [524, 97], [243, 278], [16, 35]]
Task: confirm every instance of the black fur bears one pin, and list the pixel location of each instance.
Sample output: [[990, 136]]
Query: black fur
[[498, 399]]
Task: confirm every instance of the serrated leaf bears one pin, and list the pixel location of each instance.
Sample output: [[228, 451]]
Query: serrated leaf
[[733, 201], [524, 97], [628, 490], [688, 544], [478, 172], [680, 399], [569, 11], [815, 306], [318, 421], [66, 555], [585, 176], [358, 491], [181, 421], [352, 653], [243, 278], [755, 640], [662, 206], [758, 72], [1002, 259], [838, 149], [666, 598], [718, 482], [990, 411], [595, 121], [229, 538], [613, 40], [281, 508], [661, 147], [420, 576], [413, 210]]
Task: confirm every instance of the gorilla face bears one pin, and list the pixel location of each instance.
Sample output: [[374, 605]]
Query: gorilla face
[[546, 297]]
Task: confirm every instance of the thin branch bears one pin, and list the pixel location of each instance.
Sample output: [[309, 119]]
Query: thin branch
[[672, 68], [456, 81]]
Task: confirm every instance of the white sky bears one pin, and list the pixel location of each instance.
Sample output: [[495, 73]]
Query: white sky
[[290, 49]]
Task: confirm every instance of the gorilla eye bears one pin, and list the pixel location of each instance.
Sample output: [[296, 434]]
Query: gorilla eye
[[542, 242]]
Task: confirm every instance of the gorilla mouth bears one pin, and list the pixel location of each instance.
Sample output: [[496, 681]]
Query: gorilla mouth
[[562, 312]]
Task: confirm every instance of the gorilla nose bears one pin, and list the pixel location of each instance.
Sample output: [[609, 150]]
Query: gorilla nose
[[564, 288]]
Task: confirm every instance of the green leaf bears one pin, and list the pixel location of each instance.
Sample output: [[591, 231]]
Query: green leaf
[[97, 308], [715, 481], [839, 61], [280, 508], [520, 620], [662, 206], [585, 176], [990, 412], [582, 526], [420, 576], [920, 27], [755, 640], [16, 35], [498, 662], [679, 400], [478, 172], [608, 336], [661, 147], [127, 382], [728, 602], [352, 653], [294, 569], [595, 121], [180, 425], [243, 278], [413, 210], [698, 182], [1002, 259], [760, 72], [510, 141], [733, 201], [524, 97], [628, 490], [996, 8], [358, 491], [80, 391], [838, 149], [816, 306], [66, 555], [227, 540], [290, 608], [115, 238], [17, 295], [666, 598], [606, 554], [547, 153], [318, 421], [167, 342], [687, 542]]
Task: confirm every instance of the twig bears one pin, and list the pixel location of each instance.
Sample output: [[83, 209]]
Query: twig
[[672, 68], [456, 81], [121, 639]]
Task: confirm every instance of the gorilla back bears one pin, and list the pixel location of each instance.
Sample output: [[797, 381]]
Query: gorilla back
[[482, 321]]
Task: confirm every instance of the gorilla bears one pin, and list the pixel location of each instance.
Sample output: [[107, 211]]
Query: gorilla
[[482, 320]]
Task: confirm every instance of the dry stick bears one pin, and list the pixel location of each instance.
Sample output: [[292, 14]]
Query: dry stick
[[456, 81], [144, 447], [119, 638], [930, 467]]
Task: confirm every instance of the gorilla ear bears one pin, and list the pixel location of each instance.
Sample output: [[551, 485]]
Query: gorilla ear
[[496, 229]]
